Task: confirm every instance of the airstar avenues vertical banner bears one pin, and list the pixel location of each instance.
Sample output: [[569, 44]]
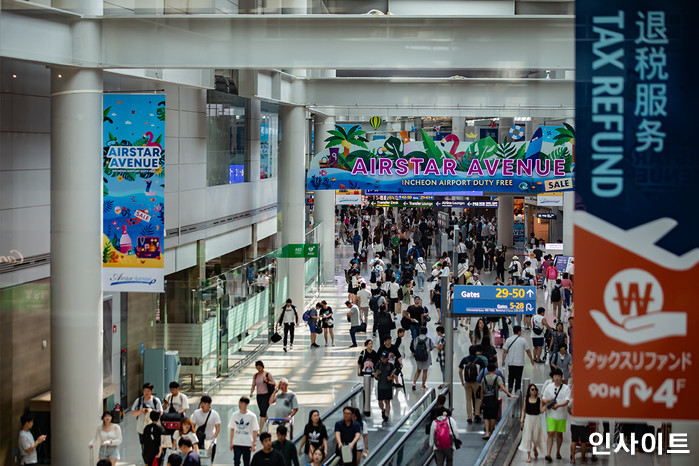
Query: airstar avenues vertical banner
[[635, 354], [133, 227]]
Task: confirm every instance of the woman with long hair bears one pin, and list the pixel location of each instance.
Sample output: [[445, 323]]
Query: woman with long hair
[[263, 381], [363, 443], [316, 459], [315, 437], [480, 332], [186, 430], [533, 435], [108, 437]]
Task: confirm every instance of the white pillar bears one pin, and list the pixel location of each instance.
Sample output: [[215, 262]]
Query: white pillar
[[292, 190], [506, 209], [324, 205], [504, 129], [76, 267], [568, 209]]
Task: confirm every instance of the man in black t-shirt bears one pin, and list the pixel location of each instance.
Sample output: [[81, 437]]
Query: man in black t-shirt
[[415, 313], [347, 432], [151, 438], [267, 456]]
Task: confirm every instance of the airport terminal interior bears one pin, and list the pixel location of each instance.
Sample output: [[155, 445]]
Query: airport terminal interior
[[220, 217]]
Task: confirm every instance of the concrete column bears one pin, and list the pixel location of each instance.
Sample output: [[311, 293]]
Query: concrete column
[[294, 7], [568, 209], [292, 190], [457, 125], [324, 205], [504, 129], [417, 122], [253, 120], [505, 218], [76, 268]]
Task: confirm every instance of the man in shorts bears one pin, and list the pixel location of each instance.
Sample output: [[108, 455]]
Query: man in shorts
[[556, 397], [385, 374], [539, 326], [579, 434]]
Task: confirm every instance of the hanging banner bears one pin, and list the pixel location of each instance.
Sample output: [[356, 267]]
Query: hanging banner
[[635, 352], [133, 201], [398, 164]]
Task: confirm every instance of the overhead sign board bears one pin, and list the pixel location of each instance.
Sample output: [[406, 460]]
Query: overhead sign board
[[348, 199], [468, 204], [470, 300], [549, 199], [399, 164], [379, 203], [296, 250], [546, 215], [636, 352]]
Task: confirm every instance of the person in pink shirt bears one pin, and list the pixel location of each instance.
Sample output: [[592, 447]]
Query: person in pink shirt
[[544, 266], [567, 285]]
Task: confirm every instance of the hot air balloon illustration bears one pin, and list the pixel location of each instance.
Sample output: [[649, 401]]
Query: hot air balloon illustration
[[375, 122]]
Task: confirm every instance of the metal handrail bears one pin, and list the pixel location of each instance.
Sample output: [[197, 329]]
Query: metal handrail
[[403, 420], [399, 444], [493, 435], [356, 389]]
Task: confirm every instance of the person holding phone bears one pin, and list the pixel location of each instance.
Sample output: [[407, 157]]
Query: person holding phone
[[27, 444]]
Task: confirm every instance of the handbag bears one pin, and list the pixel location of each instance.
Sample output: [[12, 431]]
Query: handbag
[[270, 386], [457, 442], [275, 338], [201, 432], [347, 455]]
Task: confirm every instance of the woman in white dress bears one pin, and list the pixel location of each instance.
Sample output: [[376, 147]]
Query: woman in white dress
[[108, 438], [533, 434]]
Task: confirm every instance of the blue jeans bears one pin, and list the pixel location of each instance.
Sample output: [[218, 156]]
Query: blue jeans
[[239, 451], [414, 330], [421, 280], [566, 298], [353, 334]]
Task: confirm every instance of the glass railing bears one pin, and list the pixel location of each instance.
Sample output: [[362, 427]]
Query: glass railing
[[405, 425], [354, 399], [496, 451]]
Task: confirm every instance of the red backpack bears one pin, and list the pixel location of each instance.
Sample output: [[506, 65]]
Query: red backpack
[[552, 273], [442, 434]]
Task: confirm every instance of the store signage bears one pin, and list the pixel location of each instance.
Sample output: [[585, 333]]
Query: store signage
[[549, 199], [299, 250], [133, 202], [635, 354], [468, 204], [310, 201], [554, 246], [546, 215], [348, 199], [399, 164], [469, 300]]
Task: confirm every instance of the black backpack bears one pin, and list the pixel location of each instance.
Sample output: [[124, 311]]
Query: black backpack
[[556, 294], [471, 372], [421, 353], [400, 293], [374, 303]]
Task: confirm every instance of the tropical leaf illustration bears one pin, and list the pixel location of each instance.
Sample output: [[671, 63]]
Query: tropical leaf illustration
[[394, 148], [161, 111], [431, 149], [148, 230], [107, 253], [346, 139], [506, 150], [105, 116], [522, 152], [482, 149], [108, 205]]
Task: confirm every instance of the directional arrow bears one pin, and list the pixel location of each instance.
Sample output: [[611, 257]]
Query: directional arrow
[[530, 293], [529, 307]]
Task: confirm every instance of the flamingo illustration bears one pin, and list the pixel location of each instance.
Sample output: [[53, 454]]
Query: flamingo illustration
[[455, 140], [150, 142]]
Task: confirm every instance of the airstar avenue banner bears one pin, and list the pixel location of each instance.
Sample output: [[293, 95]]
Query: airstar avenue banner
[[398, 164], [133, 202], [637, 261]]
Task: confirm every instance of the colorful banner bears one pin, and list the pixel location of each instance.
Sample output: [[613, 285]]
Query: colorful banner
[[133, 227], [635, 352], [398, 164]]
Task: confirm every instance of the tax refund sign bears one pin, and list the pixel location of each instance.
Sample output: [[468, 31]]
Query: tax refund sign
[[470, 300], [635, 354]]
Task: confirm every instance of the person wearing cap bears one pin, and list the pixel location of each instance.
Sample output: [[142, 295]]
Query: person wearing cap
[[474, 280], [386, 376], [515, 270], [421, 273]]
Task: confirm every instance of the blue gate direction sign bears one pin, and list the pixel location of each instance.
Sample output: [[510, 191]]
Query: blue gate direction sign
[[494, 300]]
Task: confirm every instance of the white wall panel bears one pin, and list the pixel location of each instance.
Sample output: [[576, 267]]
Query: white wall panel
[[170, 261], [192, 207], [264, 84], [26, 230], [192, 124], [172, 150], [25, 151], [223, 244], [25, 113], [24, 188], [172, 178], [172, 122], [186, 256], [192, 149], [451, 7], [192, 99], [192, 176], [266, 228], [172, 209]]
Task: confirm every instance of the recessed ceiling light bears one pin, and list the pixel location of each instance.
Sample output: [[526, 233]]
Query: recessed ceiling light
[[14, 75], [60, 75]]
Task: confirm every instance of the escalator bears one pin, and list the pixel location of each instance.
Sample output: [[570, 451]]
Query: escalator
[[410, 446]]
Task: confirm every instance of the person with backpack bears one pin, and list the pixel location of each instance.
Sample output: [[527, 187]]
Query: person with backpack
[[469, 368], [515, 270], [557, 299], [141, 410], [375, 303], [550, 274], [152, 444], [290, 318], [539, 326], [422, 350], [444, 439], [490, 385]]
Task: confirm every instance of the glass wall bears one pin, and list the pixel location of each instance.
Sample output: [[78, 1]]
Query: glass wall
[[270, 134], [225, 143]]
